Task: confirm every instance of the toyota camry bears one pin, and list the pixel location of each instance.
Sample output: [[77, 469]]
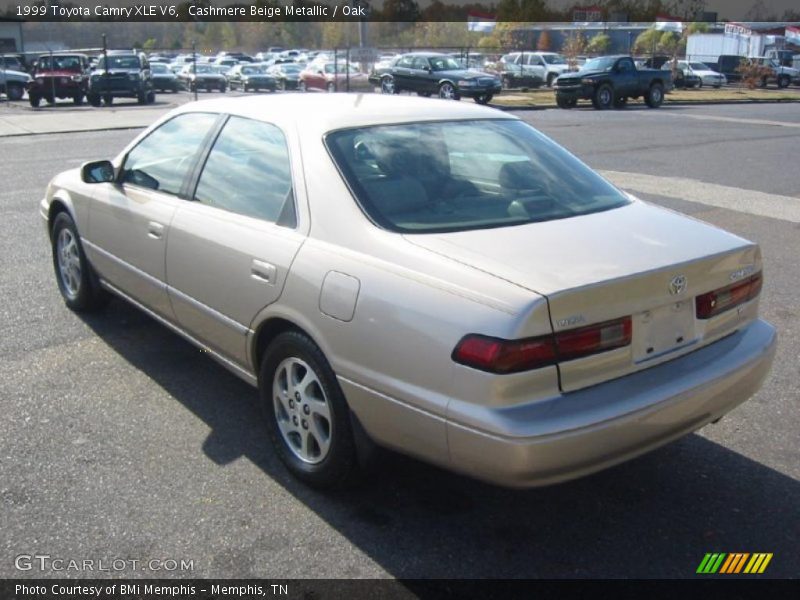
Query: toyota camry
[[439, 279]]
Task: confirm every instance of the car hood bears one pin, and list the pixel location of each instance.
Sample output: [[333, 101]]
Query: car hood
[[57, 73], [463, 74], [553, 256]]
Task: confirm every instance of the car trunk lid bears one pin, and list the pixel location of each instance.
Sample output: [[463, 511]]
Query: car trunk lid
[[637, 261]]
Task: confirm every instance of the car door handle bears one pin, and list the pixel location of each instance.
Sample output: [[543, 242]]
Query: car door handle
[[155, 230], [263, 271]]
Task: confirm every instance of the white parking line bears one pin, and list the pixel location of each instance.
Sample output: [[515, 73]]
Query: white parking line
[[751, 202], [734, 120]]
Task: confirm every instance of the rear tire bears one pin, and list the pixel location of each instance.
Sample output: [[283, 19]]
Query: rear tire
[[447, 91], [77, 99], [307, 416], [550, 79], [387, 86], [34, 100], [655, 96], [94, 100], [76, 279], [784, 81], [331, 87]]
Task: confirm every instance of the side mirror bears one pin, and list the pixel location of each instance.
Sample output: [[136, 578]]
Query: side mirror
[[99, 171]]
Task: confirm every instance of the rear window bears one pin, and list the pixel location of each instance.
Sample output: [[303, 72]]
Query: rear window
[[459, 175]]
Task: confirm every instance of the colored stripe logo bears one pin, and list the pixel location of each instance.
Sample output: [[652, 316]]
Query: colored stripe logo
[[734, 563]]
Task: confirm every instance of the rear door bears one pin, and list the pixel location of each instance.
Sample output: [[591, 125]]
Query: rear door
[[230, 248]]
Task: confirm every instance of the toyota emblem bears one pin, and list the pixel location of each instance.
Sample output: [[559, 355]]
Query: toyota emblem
[[677, 285]]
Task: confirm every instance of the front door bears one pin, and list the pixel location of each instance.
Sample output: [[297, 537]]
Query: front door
[[129, 220]]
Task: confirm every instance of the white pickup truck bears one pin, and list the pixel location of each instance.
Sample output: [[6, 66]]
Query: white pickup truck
[[13, 83]]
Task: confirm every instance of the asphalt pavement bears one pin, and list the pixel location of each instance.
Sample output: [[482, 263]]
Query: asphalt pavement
[[121, 441]]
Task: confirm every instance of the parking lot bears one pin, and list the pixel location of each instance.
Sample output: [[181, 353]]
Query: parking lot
[[121, 441]]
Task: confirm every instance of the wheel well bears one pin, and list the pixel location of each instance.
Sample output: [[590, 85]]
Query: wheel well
[[267, 332], [56, 206]]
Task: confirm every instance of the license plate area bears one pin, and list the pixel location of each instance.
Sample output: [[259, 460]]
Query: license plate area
[[662, 330]]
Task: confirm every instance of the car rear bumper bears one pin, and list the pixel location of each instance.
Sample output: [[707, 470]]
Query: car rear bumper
[[581, 432]]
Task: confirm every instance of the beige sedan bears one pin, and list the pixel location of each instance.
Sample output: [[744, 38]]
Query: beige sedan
[[438, 279]]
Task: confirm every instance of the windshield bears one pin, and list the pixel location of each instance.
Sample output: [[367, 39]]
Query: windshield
[[699, 66], [443, 63], [459, 175], [159, 68], [604, 63], [119, 62], [201, 69], [60, 63], [289, 68], [554, 59]]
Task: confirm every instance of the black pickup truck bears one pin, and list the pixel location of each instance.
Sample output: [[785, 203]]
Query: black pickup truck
[[609, 81]]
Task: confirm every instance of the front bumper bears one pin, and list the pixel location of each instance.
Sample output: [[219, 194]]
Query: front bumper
[[578, 92], [480, 90], [581, 432]]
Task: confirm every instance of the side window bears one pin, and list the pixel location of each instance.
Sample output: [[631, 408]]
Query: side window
[[162, 159], [421, 63], [626, 65], [248, 172], [405, 62]]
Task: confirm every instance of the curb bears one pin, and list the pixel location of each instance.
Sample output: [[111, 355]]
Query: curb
[[33, 133]]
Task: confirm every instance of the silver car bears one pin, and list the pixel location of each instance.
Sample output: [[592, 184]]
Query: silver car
[[436, 278]]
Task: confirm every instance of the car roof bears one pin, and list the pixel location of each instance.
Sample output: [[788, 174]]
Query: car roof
[[317, 114]]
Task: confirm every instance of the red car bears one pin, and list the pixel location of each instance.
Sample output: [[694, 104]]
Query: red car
[[333, 77]]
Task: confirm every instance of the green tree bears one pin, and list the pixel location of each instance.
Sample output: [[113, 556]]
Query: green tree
[[599, 44], [647, 41], [149, 44]]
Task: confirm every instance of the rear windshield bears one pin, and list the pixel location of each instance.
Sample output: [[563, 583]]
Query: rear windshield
[[459, 175]]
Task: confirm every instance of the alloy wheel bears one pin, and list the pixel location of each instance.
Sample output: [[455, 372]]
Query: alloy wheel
[[302, 411], [69, 263]]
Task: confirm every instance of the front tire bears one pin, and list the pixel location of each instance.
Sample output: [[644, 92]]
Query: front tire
[[76, 279], [34, 100], [331, 87], [483, 98], [655, 96], [783, 81], [307, 415], [77, 99], [550, 79], [603, 97]]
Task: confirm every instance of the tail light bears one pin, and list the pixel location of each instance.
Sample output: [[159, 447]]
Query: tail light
[[512, 356], [718, 301]]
